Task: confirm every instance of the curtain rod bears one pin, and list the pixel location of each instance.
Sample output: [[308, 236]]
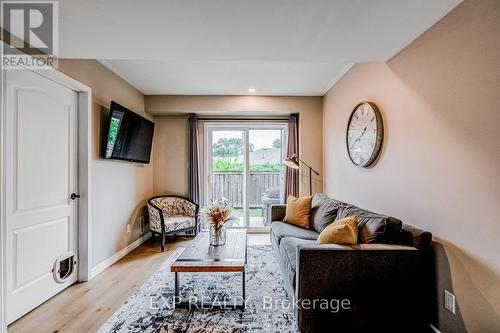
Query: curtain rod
[[239, 119]]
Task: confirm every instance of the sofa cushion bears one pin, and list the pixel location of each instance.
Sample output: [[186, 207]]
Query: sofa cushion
[[288, 253], [373, 227], [343, 231], [282, 229], [298, 211], [323, 211]]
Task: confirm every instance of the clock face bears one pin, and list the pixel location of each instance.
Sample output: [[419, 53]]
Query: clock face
[[364, 134]]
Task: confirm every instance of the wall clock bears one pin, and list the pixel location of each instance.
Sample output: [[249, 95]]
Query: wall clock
[[365, 132]]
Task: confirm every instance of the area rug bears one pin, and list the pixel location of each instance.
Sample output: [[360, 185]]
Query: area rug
[[151, 309]]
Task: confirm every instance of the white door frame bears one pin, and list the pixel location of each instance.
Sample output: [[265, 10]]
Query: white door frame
[[210, 126], [84, 178]]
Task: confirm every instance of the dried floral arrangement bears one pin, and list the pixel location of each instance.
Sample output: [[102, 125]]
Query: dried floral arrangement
[[218, 213]]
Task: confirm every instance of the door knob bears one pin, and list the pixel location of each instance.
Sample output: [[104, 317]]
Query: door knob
[[74, 196]]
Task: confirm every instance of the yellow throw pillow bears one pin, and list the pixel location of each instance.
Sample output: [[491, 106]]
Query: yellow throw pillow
[[298, 211], [343, 231]]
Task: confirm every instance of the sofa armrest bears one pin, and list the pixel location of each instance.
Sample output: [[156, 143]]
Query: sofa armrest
[[381, 283], [278, 212], [414, 236]]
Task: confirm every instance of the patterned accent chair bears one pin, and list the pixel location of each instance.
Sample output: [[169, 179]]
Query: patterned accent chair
[[169, 215]]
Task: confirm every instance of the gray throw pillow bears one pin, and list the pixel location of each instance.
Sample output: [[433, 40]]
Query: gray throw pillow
[[372, 227], [323, 211]]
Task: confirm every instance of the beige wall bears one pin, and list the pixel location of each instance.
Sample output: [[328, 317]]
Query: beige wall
[[439, 166], [119, 188], [171, 136], [170, 155]]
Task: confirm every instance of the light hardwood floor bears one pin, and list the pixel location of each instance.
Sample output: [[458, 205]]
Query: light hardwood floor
[[84, 307]]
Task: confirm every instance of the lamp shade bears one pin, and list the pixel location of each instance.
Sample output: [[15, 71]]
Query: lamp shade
[[292, 162]]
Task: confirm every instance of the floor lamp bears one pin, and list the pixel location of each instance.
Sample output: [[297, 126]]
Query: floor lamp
[[294, 163]]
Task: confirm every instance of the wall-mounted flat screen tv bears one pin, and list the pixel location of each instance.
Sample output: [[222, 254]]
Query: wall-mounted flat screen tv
[[128, 137]]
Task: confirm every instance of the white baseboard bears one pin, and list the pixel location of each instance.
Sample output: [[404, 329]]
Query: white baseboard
[[435, 329], [118, 255]]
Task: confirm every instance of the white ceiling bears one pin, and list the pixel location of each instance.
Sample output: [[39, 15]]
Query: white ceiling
[[278, 47]]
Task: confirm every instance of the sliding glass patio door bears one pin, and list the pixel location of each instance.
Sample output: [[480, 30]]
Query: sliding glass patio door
[[226, 178], [244, 166]]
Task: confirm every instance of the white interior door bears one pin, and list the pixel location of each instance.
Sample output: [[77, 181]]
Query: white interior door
[[41, 174]]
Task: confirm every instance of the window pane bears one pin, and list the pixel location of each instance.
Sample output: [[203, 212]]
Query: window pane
[[227, 171], [266, 167]]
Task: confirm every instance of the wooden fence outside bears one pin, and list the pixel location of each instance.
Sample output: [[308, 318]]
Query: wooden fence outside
[[229, 185]]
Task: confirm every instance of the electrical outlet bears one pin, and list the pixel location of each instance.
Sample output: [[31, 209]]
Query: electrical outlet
[[128, 228], [141, 223], [449, 301]]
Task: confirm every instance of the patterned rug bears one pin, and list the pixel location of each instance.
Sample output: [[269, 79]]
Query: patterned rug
[[150, 309]]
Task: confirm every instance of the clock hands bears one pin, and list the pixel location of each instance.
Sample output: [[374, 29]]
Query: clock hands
[[358, 138], [362, 133]]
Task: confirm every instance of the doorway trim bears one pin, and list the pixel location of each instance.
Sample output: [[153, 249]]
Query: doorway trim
[[84, 178]]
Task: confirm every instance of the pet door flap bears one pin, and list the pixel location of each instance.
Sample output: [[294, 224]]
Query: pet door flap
[[64, 267]]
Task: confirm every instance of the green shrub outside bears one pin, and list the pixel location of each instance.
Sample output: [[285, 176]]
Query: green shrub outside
[[233, 165]]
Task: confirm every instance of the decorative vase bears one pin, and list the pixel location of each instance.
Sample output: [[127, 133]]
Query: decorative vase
[[217, 235]]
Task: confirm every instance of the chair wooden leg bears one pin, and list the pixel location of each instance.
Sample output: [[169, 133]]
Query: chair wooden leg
[[162, 242]]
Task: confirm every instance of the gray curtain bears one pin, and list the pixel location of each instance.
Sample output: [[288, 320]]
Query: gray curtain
[[292, 175], [193, 163]]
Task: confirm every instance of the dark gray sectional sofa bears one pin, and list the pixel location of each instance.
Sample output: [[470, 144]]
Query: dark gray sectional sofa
[[386, 277]]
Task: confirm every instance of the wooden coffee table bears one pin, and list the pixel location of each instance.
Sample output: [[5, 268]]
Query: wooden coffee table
[[200, 256]]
